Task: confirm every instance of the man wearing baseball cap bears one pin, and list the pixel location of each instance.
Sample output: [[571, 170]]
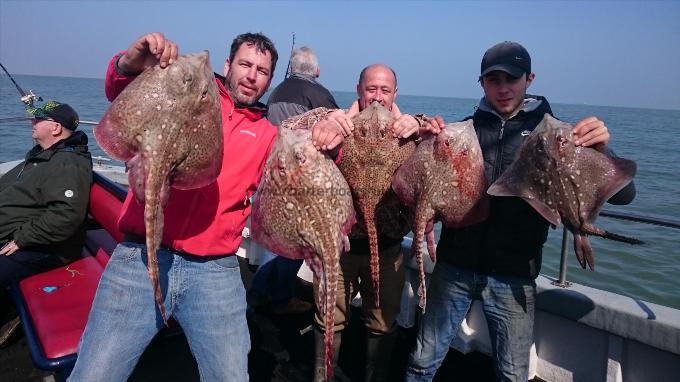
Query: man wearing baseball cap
[[43, 202], [497, 261]]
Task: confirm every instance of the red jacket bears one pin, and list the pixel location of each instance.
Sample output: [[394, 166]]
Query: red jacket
[[208, 221]]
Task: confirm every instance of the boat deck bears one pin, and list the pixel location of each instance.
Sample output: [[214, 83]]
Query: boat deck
[[279, 353]]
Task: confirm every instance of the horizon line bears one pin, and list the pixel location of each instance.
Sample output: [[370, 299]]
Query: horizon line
[[401, 94]]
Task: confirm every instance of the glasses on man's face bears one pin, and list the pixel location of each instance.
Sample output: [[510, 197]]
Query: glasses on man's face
[[39, 119]]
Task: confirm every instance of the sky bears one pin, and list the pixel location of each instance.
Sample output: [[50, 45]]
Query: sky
[[597, 53]]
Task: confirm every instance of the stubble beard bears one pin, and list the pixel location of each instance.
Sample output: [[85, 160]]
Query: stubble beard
[[238, 98]]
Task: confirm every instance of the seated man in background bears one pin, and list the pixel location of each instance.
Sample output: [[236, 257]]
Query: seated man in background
[[43, 202]]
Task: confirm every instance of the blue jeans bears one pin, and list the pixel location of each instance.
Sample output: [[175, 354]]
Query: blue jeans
[[205, 296], [508, 305], [283, 272]]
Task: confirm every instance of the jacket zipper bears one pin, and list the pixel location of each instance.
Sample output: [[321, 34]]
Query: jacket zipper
[[22, 170], [499, 153]]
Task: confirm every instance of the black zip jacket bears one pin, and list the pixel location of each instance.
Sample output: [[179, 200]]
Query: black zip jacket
[[510, 241], [43, 200], [295, 95]]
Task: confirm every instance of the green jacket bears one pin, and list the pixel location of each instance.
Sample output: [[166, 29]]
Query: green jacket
[[43, 200]]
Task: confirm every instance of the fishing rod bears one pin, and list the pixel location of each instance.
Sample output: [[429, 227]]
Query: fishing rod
[[26, 98], [291, 56]]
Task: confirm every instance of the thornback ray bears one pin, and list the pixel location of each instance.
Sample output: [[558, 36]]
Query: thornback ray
[[443, 181], [166, 125], [566, 183], [304, 210], [371, 155]]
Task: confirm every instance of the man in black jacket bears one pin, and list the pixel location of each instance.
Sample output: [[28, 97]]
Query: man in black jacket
[[300, 92], [497, 260], [43, 201]]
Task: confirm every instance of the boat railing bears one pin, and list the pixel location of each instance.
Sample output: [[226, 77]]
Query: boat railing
[[114, 188], [21, 119], [562, 279]]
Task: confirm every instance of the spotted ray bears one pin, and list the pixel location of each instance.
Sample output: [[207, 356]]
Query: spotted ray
[[371, 155], [166, 126], [443, 180], [566, 183], [304, 210]]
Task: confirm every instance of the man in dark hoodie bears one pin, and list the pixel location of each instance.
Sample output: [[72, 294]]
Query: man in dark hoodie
[[43, 201], [497, 261]]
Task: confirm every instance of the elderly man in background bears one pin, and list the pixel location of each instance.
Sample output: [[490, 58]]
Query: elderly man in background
[[299, 92]]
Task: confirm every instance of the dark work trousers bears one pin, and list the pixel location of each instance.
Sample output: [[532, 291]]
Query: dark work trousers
[[19, 265]]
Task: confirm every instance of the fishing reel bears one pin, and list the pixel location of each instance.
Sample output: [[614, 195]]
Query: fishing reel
[[29, 98], [26, 98]]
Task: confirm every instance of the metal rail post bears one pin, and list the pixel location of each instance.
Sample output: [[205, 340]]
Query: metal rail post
[[562, 280]]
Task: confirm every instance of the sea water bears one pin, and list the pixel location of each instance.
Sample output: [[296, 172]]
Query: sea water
[[650, 137]]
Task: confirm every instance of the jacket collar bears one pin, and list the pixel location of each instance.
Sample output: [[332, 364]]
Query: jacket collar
[[530, 104], [77, 142], [305, 77]]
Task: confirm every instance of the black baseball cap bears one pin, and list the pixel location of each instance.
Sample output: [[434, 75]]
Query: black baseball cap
[[60, 112], [507, 56]]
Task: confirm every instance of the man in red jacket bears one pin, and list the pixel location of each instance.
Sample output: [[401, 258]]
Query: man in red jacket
[[199, 274]]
